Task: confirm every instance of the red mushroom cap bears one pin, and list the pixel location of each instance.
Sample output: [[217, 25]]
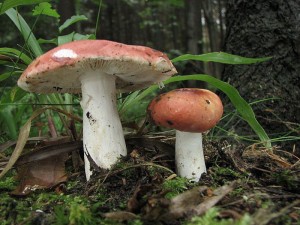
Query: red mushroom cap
[[60, 69], [187, 109]]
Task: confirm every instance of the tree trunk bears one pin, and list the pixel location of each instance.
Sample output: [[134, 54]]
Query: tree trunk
[[66, 9], [194, 39], [210, 16], [257, 28]]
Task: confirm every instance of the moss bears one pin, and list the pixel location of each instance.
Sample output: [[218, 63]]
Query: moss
[[8, 183], [13, 211], [287, 179], [222, 175], [211, 218], [176, 186]]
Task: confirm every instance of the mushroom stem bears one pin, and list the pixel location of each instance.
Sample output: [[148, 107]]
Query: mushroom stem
[[103, 138], [189, 155]]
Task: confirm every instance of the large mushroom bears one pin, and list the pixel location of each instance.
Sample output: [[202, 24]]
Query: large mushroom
[[191, 112], [97, 69]]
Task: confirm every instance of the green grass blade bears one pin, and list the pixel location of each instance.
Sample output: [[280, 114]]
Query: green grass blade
[[8, 4], [5, 76], [25, 31], [220, 57], [16, 53], [9, 121], [128, 100]]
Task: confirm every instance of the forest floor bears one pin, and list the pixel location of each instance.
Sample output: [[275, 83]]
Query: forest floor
[[243, 185]]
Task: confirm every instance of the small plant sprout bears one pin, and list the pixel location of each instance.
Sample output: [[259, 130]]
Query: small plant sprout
[[191, 112], [97, 69]]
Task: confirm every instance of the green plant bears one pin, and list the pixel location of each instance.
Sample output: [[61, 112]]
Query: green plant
[[80, 215], [176, 186], [61, 215], [286, 178], [211, 218], [73, 215], [223, 174], [8, 183]]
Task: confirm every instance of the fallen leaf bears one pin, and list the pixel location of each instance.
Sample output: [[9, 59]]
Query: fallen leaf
[[49, 151], [24, 134], [41, 174], [120, 216]]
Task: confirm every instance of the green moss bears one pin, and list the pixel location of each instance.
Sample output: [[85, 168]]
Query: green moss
[[80, 215], [237, 192], [211, 218], [222, 175], [8, 183], [176, 186], [13, 211], [287, 179], [49, 198]]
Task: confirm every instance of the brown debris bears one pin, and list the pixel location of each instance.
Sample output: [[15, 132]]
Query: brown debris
[[41, 174]]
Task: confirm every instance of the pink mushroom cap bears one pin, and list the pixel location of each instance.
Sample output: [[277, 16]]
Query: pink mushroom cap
[[60, 69], [187, 109]]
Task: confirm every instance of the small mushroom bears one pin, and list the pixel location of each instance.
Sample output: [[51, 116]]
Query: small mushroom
[[191, 112], [97, 68]]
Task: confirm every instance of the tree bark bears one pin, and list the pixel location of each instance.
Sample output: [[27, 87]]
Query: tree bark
[[66, 9], [193, 41], [257, 28], [209, 8]]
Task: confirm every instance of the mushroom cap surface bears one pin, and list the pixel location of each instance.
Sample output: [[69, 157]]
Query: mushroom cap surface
[[60, 69], [186, 109]]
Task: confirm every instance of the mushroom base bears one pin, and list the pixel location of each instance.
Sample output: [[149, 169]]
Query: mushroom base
[[103, 138], [189, 157]]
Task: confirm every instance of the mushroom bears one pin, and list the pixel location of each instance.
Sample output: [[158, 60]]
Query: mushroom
[[191, 112], [97, 68]]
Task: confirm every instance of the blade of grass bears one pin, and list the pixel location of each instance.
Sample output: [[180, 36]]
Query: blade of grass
[[25, 30], [8, 119], [220, 57], [97, 20], [16, 53]]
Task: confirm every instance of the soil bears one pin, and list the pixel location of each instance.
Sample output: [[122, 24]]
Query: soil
[[142, 188]]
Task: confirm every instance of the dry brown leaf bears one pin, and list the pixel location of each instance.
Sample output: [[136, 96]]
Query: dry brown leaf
[[22, 139], [49, 151], [41, 174], [24, 134], [120, 216]]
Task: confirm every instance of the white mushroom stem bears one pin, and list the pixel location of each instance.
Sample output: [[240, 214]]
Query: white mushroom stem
[[189, 156], [103, 138]]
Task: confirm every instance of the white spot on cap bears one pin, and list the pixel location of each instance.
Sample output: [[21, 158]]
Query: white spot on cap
[[65, 53]]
